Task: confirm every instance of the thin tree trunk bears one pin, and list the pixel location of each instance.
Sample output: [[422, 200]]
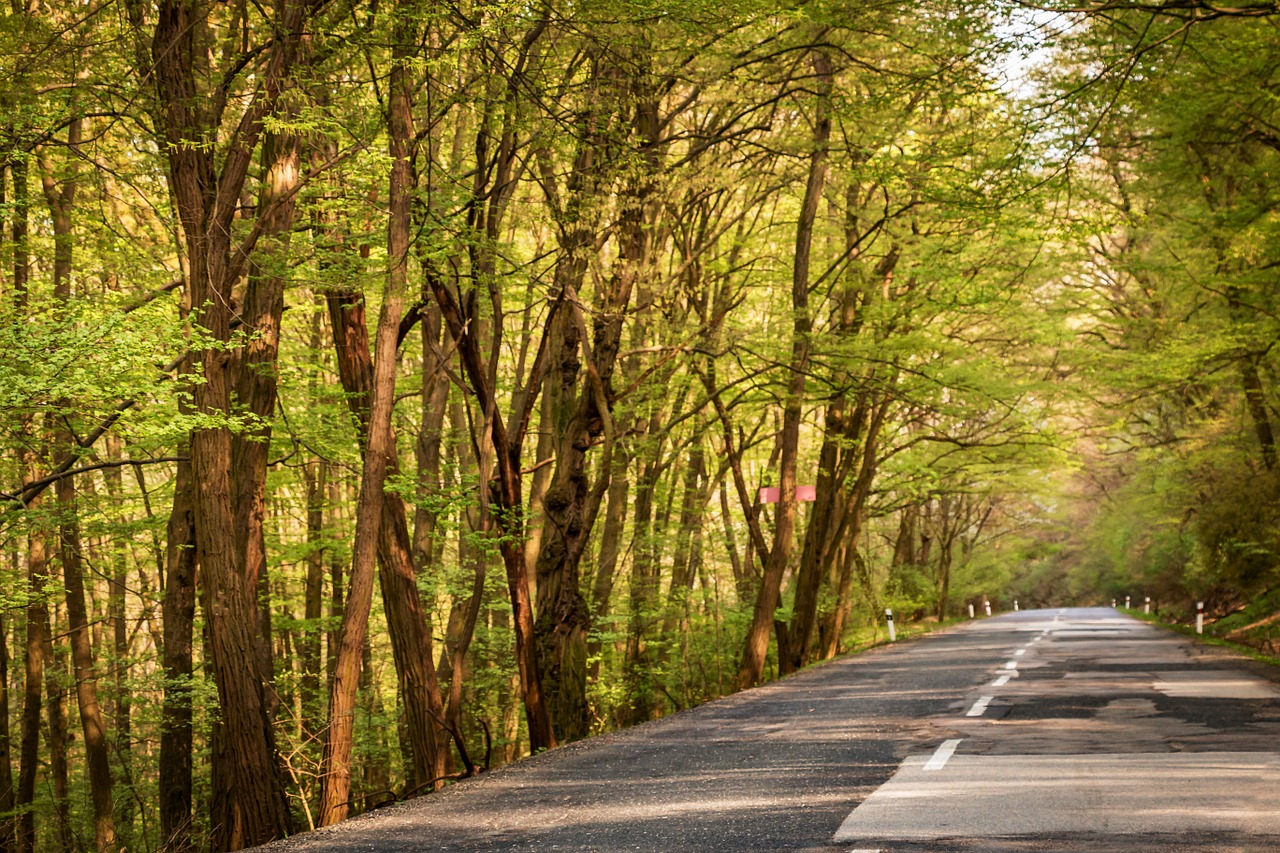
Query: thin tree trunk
[[615, 518], [379, 449], [751, 668], [55, 681], [91, 717], [60, 196], [8, 826], [638, 674], [37, 632], [117, 617], [34, 656], [178, 609], [316, 474]]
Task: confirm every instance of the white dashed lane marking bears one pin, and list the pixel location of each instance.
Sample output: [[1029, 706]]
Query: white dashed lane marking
[[979, 707], [942, 755]]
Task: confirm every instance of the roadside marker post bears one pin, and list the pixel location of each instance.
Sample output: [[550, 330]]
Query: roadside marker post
[[893, 634], [971, 610], [1113, 603], [1146, 607], [1199, 617], [1126, 602], [987, 604], [1015, 605]]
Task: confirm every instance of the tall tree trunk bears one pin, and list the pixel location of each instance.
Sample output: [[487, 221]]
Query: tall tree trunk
[[86, 674], [117, 617], [8, 826], [316, 474], [248, 798], [254, 369], [37, 616], [813, 555], [615, 518], [34, 656], [178, 609], [756, 647], [60, 195], [639, 674], [406, 616], [336, 780], [507, 493], [55, 685]]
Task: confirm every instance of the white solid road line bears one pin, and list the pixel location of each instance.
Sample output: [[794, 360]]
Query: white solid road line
[[980, 706], [944, 752]]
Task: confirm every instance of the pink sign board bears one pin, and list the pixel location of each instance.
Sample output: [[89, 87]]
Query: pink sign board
[[771, 494]]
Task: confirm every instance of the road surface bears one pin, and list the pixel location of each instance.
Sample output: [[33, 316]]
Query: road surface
[[1064, 730]]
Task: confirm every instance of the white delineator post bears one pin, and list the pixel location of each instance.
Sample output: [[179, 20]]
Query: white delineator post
[[1015, 605], [1126, 602], [893, 634], [1113, 603], [971, 610], [987, 605], [1199, 617], [1146, 607]]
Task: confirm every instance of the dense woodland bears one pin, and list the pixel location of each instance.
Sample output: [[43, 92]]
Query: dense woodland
[[388, 388]]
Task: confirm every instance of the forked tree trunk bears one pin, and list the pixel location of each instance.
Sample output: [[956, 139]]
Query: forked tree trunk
[[248, 800], [335, 789]]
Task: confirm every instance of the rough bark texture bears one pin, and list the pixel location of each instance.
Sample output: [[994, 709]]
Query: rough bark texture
[[335, 788], [399, 579], [248, 800], [178, 609], [410, 637]]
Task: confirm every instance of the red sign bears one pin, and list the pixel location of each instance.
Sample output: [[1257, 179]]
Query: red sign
[[771, 494]]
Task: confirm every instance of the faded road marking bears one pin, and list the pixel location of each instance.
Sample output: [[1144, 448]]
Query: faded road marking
[[944, 753]]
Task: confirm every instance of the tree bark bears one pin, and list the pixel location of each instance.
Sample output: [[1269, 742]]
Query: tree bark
[[316, 474], [751, 668], [379, 447], [60, 196], [34, 656], [91, 717], [8, 825], [248, 801], [178, 609]]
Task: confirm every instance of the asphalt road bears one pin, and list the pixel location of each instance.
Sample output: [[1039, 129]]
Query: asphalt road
[[1058, 730]]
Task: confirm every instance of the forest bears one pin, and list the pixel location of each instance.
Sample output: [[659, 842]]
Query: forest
[[392, 389]]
